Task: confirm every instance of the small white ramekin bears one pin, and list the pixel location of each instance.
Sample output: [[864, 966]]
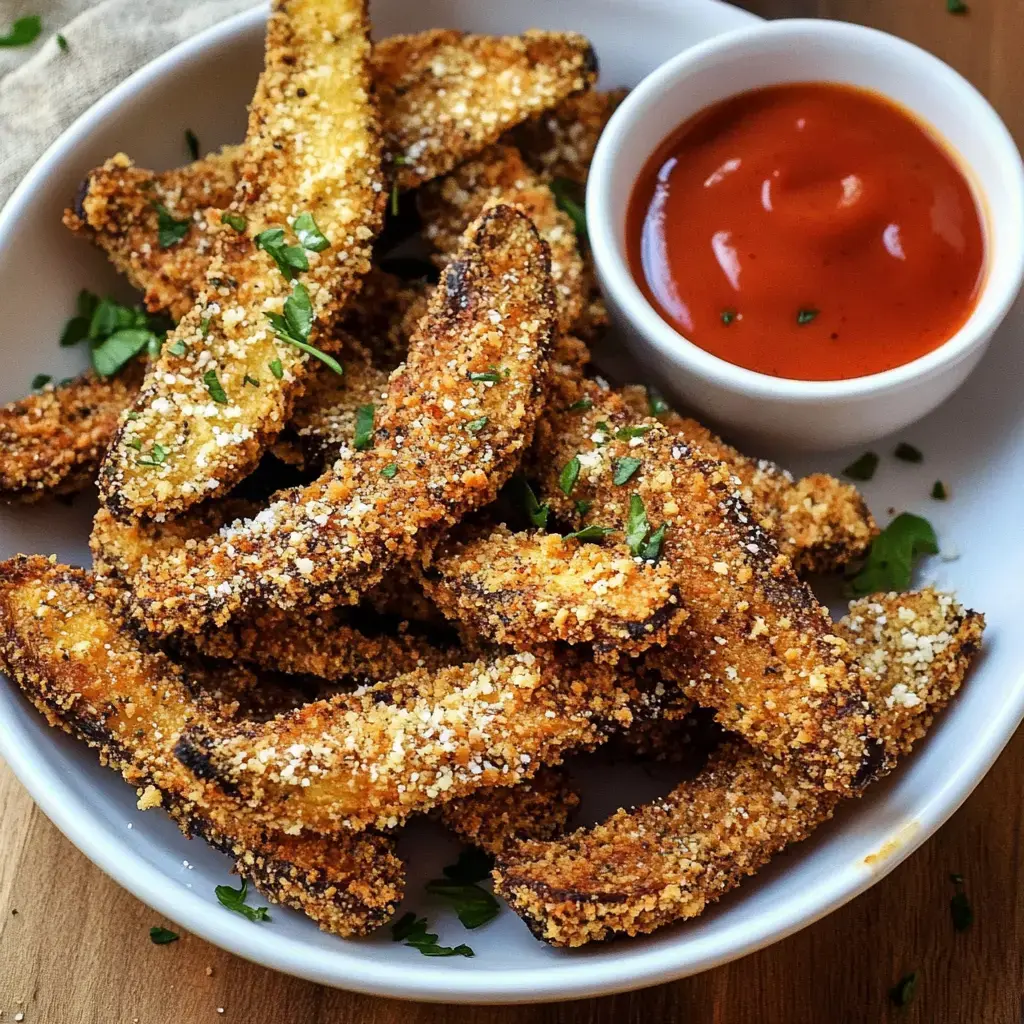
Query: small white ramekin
[[807, 414]]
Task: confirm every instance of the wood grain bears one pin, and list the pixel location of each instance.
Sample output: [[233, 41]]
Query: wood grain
[[74, 947]]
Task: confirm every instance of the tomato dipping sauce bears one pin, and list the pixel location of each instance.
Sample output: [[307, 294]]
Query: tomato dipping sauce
[[810, 231]]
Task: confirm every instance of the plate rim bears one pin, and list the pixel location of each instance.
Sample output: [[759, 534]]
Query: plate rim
[[577, 976]]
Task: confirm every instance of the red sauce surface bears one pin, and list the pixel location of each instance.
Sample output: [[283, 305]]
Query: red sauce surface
[[811, 231]]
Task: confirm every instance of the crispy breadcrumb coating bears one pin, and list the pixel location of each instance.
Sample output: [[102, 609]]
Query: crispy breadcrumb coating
[[822, 523], [52, 441], [445, 95], [757, 646], [525, 589], [495, 819], [668, 860], [87, 674], [443, 445], [560, 143], [224, 384], [117, 209], [448, 205], [376, 755]]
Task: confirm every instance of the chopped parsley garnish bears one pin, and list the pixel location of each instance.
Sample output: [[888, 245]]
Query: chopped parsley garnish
[[581, 404], [24, 31], [565, 192], [213, 385], [136, 443], [115, 333], [394, 200], [250, 380], [639, 538], [234, 220], [956, 7], [624, 469], [192, 143], [939, 491], [177, 348], [295, 325], [168, 230], [656, 403], [583, 506], [492, 376], [388, 472], [62, 43], [590, 533], [77, 328], [890, 561], [806, 315], [162, 936], [276, 368], [569, 475], [727, 316], [902, 993], [960, 906], [234, 899], [157, 456], [289, 258], [204, 325], [110, 354], [412, 930], [908, 453], [535, 511], [626, 433], [475, 426], [400, 160], [473, 904], [862, 468], [40, 380], [309, 235], [364, 427]]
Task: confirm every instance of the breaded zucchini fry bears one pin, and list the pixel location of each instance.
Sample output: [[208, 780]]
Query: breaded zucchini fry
[[560, 143], [819, 521], [381, 753], [445, 95], [450, 204], [117, 208], [224, 384], [87, 674], [523, 589], [668, 860], [52, 442], [756, 646], [495, 819], [446, 439]]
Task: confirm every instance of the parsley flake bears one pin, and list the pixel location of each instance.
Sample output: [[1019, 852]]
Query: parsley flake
[[581, 404], [862, 468], [40, 380], [250, 380], [276, 368], [806, 315], [473, 904], [583, 506], [213, 385], [177, 348], [162, 936], [640, 540], [890, 560], [168, 230], [656, 403], [908, 453], [295, 325], [308, 234], [956, 7], [234, 899], [536, 512], [77, 328], [62, 43], [902, 993], [727, 316], [394, 200], [204, 325], [569, 475], [492, 376], [23, 32], [115, 333], [289, 258], [626, 433], [624, 469], [939, 491], [192, 144], [475, 426], [109, 355], [412, 930], [388, 472], [565, 192], [234, 220], [589, 534], [364, 427], [157, 456]]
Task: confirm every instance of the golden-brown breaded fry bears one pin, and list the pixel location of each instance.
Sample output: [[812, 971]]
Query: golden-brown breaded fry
[[494, 819], [448, 205], [667, 860], [525, 589], [118, 207], [225, 382], [445, 442], [445, 95], [560, 143], [87, 674], [52, 442], [756, 646], [333, 645], [376, 755], [820, 522]]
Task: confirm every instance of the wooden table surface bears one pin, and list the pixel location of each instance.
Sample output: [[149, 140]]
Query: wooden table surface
[[74, 947]]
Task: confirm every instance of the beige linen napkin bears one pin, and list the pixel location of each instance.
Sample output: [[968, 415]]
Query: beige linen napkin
[[43, 88]]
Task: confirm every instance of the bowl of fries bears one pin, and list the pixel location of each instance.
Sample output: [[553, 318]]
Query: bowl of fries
[[433, 664]]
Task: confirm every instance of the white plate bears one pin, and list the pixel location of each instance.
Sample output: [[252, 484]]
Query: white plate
[[975, 443]]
